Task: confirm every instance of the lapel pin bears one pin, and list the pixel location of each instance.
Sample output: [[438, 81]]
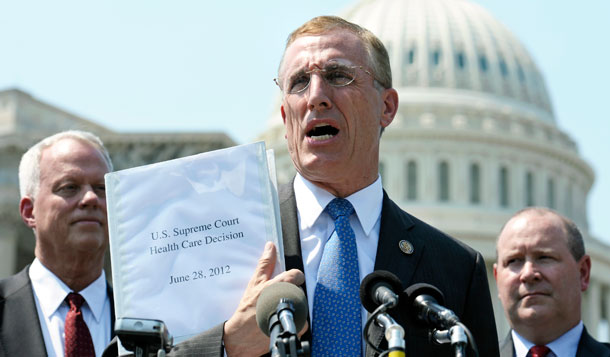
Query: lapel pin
[[406, 247]]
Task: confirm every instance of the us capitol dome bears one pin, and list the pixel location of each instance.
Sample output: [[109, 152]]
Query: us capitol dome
[[475, 138]]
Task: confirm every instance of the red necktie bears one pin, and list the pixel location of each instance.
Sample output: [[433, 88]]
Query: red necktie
[[78, 339], [539, 351]]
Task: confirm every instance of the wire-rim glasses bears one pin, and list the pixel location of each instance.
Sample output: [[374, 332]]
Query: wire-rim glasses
[[334, 74]]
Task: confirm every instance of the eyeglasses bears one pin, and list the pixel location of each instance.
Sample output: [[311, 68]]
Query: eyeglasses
[[335, 74]]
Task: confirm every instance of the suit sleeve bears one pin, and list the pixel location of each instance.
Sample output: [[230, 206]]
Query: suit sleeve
[[478, 313], [207, 344]]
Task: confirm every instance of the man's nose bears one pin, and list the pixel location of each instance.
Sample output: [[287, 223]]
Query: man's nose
[[90, 197], [530, 272], [318, 93]]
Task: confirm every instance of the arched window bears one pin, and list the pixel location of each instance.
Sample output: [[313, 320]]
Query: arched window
[[503, 187], [483, 63], [569, 200], [520, 73], [529, 189], [475, 183], [461, 60], [443, 181], [411, 180], [436, 57], [503, 68], [550, 193]]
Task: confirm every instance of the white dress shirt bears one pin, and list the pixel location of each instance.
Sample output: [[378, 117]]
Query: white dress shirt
[[565, 346], [316, 227], [50, 292]]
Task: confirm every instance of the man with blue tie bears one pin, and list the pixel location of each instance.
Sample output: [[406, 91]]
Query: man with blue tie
[[541, 272], [338, 224]]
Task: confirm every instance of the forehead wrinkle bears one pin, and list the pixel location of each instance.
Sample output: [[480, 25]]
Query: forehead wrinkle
[[312, 51]]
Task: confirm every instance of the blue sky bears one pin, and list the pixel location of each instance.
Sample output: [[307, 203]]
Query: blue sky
[[193, 65]]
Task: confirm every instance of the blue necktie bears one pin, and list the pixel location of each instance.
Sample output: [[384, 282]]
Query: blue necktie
[[336, 307]]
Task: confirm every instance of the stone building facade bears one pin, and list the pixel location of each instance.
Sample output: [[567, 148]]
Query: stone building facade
[[25, 120]]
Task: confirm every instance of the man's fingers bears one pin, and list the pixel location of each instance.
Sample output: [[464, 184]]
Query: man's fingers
[[293, 276]]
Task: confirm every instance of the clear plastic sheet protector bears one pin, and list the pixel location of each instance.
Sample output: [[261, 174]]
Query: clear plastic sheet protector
[[186, 235]]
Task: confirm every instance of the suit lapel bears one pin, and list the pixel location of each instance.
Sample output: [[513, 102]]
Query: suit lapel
[[588, 346], [23, 337], [394, 228], [112, 316], [290, 228], [291, 237]]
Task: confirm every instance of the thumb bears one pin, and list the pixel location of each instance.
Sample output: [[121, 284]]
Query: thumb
[[266, 263]]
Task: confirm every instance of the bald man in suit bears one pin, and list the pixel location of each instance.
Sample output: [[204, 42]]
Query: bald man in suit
[[541, 272]]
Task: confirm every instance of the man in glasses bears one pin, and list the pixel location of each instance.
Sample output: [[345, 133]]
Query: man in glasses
[[338, 224]]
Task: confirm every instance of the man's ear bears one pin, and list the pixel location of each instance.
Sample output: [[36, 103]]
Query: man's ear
[[26, 209], [283, 114], [390, 106], [584, 267]]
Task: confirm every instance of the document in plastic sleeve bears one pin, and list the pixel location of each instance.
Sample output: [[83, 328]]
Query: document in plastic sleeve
[[186, 235]]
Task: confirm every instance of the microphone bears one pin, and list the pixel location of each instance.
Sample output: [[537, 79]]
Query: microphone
[[281, 312], [377, 293], [271, 297], [422, 304], [378, 288]]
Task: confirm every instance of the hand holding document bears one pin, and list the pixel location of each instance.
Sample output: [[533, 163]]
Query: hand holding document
[[186, 235]]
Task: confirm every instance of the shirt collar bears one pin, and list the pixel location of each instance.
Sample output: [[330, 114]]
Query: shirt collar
[[312, 200], [565, 345], [55, 291], [95, 295]]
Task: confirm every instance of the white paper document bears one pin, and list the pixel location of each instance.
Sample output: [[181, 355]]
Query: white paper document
[[186, 235]]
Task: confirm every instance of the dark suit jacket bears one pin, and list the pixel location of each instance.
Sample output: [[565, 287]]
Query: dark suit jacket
[[587, 347], [457, 270], [20, 331]]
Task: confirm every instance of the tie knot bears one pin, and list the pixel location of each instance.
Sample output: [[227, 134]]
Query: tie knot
[[339, 207], [75, 300], [539, 351]]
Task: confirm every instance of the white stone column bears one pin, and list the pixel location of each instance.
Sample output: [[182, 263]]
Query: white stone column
[[591, 308], [8, 252], [501, 322]]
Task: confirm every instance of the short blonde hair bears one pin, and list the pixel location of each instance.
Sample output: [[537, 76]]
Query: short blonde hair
[[29, 167]]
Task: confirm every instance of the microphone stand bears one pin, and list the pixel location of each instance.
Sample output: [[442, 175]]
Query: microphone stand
[[284, 340], [394, 333], [458, 335]]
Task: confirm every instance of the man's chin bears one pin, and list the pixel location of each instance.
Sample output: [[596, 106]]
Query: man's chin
[[89, 241], [534, 314]]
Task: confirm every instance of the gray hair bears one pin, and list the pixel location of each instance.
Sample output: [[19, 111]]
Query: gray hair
[[29, 167]]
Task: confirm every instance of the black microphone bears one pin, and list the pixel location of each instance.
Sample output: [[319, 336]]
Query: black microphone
[[422, 305], [378, 288]]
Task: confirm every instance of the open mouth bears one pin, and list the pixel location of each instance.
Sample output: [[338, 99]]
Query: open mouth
[[322, 132]]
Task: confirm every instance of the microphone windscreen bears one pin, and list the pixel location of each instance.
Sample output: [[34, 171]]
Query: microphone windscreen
[[371, 282], [407, 300], [269, 299]]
